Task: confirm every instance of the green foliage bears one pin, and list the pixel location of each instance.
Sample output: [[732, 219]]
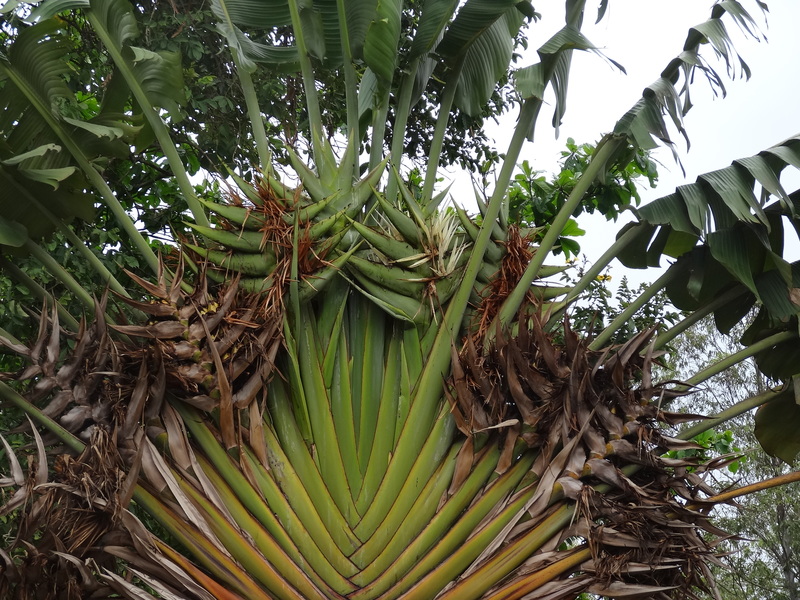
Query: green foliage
[[535, 199], [210, 125], [762, 564], [714, 444]]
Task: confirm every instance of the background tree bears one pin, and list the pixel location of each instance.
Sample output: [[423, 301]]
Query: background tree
[[535, 200], [765, 563]]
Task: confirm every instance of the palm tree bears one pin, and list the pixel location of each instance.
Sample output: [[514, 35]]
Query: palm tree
[[340, 387]]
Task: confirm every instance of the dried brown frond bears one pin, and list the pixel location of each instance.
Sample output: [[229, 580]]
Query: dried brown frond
[[515, 260], [115, 384], [599, 443], [211, 350], [57, 552]]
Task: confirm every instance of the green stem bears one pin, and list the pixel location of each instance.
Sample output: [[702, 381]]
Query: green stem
[[123, 218], [737, 409], [438, 135], [60, 273], [254, 113], [153, 118], [38, 291], [604, 152], [605, 336], [400, 122], [696, 316], [350, 88], [738, 357], [90, 257], [309, 84], [590, 275], [77, 243], [353, 130], [7, 393], [250, 98], [428, 391], [379, 115], [85, 252]]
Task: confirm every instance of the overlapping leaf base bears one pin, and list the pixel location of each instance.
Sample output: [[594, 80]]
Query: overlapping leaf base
[[304, 462]]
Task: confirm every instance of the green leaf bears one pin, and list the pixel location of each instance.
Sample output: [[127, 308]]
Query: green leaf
[[737, 194], [481, 41], [359, 14], [634, 255], [48, 9], [474, 18], [555, 61], [765, 173], [12, 233], [572, 228], [485, 61], [36, 152], [530, 82], [736, 249], [367, 92], [111, 133], [259, 14], [679, 243], [311, 21], [160, 74], [775, 294], [51, 177], [778, 427], [646, 120], [702, 279], [283, 59], [670, 209], [383, 35], [11, 5], [230, 14], [731, 313], [435, 16]]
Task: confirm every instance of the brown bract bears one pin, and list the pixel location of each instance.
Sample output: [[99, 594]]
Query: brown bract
[[599, 443], [517, 256], [210, 351]]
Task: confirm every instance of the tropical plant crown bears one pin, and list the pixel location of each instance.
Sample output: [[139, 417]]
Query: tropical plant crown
[[274, 359]]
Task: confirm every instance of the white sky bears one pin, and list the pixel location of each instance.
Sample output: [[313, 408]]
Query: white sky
[[643, 36]]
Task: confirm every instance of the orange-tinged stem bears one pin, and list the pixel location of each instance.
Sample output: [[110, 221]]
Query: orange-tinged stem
[[750, 489], [219, 591], [203, 549], [523, 587]]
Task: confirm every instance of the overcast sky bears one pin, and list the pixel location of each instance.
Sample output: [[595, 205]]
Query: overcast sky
[[644, 35]]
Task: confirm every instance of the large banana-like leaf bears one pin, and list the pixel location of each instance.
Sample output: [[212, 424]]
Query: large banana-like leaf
[[151, 80], [479, 45], [231, 15], [742, 234], [31, 155], [40, 109], [640, 125], [325, 28], [646, 119], [383, 35]]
